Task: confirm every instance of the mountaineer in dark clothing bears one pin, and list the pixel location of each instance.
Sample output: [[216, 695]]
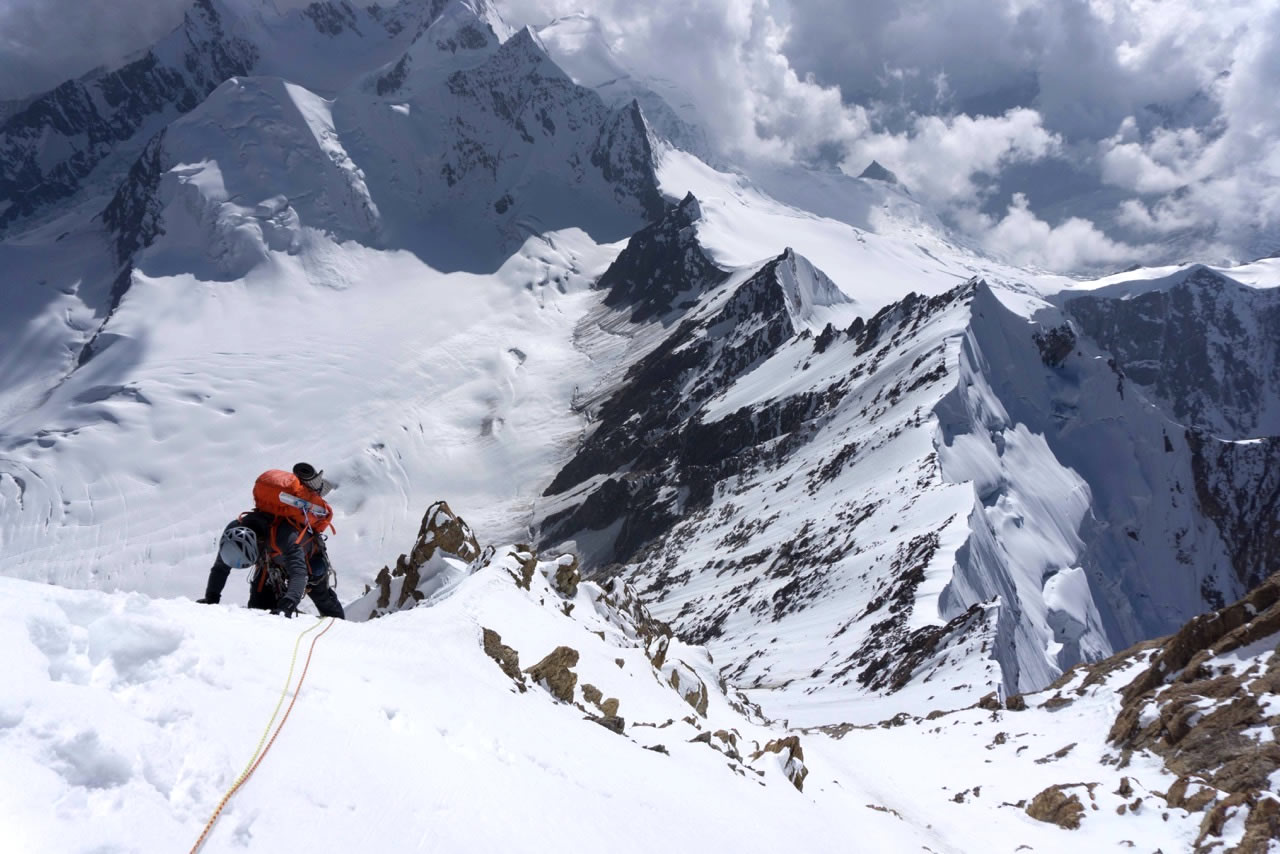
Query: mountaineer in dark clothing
[[285, 566], [286, 547]]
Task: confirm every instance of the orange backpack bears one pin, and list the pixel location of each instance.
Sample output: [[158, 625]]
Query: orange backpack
[[280, 493]]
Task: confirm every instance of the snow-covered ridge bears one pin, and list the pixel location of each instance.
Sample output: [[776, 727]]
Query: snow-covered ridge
[[1060, 556], [522, 688]]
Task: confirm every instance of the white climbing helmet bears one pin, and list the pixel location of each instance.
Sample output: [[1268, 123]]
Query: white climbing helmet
[[239, 547]]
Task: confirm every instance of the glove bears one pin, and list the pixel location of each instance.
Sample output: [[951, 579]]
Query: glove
[[209, 600], [286, 607]]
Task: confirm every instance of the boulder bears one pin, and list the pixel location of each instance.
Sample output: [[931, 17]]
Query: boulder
[[1056, 806], [567, 576], [553, 672]]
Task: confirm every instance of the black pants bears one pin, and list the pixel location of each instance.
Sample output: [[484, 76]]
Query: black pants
[[321, 595]]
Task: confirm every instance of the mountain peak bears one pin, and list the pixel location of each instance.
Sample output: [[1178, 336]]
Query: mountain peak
[[876, 172], [805, 288]]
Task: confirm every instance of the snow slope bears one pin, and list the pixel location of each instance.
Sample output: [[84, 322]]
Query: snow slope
[[133, 715]]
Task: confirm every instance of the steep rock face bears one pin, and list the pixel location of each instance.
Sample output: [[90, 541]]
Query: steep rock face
[[624, 155], [1202, 345], [1092, 521], [640, 430], [465, 139], [578, 45], [1237, 486], [663, 268]]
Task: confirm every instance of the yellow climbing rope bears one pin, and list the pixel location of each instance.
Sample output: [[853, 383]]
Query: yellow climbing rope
[[260, 751]]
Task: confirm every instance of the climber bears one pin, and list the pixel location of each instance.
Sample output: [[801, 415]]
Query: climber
[[283, 542]]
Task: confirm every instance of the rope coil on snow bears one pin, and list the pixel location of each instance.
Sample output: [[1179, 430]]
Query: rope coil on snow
[[260, 751]]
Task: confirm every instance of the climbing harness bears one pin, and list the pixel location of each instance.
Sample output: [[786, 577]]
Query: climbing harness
[[260, 751]]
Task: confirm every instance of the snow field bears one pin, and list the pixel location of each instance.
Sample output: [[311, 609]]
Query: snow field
[[404, 384], [132, 716]]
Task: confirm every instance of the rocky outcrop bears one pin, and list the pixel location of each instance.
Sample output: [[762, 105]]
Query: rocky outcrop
[[567, 576], [1059, 805], [689, 686], [506, 657], [553, 673], [663, 268], [792, 757], [1209, 712], [442, 532]]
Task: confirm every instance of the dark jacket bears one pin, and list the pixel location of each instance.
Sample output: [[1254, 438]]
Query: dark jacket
[[294, 558]]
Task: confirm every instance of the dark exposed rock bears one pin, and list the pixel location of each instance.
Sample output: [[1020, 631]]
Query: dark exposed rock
[[624, 156], [613, 723], [1198, 717], [1238, 488], [876, 172], [88, 119], [441, 531], [528, 565], [567, 576], [1055, 344], [990, 702], [1190, 347], [662, 264]]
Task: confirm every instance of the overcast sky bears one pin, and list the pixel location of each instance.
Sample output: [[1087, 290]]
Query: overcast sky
[[1065, 134]]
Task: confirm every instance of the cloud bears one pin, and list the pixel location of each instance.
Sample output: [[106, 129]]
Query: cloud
[[939, 157], [1073, 245], [727, 56], [1161, 164]]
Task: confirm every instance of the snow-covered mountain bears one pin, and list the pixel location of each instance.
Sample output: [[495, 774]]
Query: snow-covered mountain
[[75, 140], [818, 463]]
